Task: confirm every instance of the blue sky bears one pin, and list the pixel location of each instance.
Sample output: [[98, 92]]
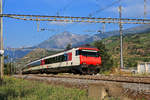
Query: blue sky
[[18, 33]]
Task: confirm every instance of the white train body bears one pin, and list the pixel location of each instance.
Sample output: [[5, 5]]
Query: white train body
[[67, 61]]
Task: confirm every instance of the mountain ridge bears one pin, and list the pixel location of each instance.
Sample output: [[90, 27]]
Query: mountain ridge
[[61, 40]]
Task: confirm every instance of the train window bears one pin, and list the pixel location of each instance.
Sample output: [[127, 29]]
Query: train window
[[77, 52], [51, 60], [56, 59], [35, 64], [61, 58], [66, 57], [48, 61], [87, 53]]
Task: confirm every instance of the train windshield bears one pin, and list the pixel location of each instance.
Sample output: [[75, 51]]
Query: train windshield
[[88, 53]]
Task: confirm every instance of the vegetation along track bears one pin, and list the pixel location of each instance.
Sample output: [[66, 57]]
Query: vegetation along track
[[125, 79]]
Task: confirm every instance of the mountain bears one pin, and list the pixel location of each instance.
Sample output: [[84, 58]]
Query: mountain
[[61, 40]]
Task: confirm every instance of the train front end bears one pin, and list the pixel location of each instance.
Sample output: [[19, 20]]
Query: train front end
[[90, 61]]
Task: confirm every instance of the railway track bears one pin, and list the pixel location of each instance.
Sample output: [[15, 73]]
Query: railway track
[[130, 86], [125, 79]]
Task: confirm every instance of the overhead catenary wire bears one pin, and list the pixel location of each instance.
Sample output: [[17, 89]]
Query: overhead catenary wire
[[4, 4], [64, 8], [106, 7], [58, 13], [76, 19]]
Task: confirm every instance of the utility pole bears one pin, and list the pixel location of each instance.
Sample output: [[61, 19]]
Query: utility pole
[[121, 38], [145, 9], [1, 43], [103, 31], [38, 26]]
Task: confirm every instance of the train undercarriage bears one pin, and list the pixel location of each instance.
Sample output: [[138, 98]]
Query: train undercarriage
[[82, 70]]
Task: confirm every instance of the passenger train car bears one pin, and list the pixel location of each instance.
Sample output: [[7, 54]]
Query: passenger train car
[[81, 60]]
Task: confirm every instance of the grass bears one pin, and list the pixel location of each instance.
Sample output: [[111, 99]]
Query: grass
[[19, 89]]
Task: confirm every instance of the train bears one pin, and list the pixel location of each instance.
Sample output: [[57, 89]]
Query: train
[[79, 60]]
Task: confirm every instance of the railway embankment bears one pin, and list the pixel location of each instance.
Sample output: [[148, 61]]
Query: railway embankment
[[99, 86]]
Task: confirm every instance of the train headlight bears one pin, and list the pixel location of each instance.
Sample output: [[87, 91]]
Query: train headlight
[[84, 63]]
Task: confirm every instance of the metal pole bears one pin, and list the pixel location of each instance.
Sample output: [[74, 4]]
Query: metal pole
[[38, 29], [103, 28], [145, 9], [1, 47], [121, 39]]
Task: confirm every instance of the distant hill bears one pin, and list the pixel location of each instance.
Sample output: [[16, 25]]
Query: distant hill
[[136, 48]]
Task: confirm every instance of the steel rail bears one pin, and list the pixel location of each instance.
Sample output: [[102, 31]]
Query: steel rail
[[123, 79]]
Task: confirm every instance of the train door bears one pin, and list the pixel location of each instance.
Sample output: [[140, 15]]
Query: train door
[[75, 57]]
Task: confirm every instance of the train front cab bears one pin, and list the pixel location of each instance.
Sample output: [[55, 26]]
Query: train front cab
[[90, 61]]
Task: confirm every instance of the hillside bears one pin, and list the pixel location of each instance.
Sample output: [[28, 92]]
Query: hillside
[[136, 48]]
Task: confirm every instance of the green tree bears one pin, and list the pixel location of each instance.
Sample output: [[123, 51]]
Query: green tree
[[8, 66], [107, 61], [69, 46]]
